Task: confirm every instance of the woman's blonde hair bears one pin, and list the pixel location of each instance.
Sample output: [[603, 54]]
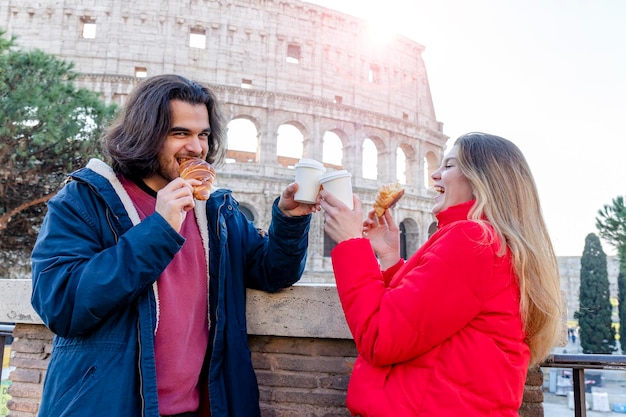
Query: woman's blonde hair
[[506, 195]]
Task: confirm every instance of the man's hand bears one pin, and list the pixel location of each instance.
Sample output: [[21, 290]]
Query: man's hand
[[292, 208], [174, 201]]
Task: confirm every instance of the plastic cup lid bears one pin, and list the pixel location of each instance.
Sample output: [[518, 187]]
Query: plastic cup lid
[[328, 176], [310, 163]]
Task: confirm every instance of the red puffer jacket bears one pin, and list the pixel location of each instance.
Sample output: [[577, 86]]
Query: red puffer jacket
[[440, 335]]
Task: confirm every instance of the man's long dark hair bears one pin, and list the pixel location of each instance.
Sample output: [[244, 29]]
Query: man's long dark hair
[[138, 133]]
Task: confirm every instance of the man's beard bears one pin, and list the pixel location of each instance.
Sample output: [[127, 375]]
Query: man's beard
[[167, 170]]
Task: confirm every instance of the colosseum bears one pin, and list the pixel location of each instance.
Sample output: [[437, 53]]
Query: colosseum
[[294, 80]]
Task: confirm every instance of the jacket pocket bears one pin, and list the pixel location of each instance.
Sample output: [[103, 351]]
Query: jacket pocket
[[98, 380], [69, 402]]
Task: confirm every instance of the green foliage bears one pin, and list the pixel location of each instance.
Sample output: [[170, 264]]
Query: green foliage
[[611, 224], [48, 127], [594, 315]]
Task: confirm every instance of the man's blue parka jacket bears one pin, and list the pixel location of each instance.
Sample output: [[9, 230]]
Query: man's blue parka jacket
[[95, 268]]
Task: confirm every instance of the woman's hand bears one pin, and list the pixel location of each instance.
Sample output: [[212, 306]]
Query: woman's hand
[[341, 223], [384, 236]]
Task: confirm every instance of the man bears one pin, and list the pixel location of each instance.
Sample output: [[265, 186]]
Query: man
[[144, 286]]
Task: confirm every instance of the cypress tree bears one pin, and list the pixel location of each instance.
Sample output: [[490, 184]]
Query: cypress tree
[[594, 315], [611, 224], [621, 299]]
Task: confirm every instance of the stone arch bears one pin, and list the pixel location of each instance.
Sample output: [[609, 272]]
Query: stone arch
[[431, 163], [432, 228], [370, 154], [243, 140], [411, 165], [332, 149], [346, 133], [401, 166], [249, 211], [295, 123], [289, 143], [328, 245], [409, 237]]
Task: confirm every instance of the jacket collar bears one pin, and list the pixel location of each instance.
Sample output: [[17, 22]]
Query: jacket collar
[[104, 170], [454, 213]]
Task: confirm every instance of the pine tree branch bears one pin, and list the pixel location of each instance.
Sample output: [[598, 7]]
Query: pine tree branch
[[6, 218]]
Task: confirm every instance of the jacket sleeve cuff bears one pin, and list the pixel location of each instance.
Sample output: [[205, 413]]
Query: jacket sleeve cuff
[[288, 227], [391, 271]]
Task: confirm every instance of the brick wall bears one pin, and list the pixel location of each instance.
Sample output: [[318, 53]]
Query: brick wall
[[31, 348], [297, 376], [309, 377], [302, 376], [532, 405]]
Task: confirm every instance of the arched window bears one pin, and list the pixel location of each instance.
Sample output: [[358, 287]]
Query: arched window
[[332, 150], [242, 141], [370, 160], [289, 145], [247, 212], [400, 166], [409, 237], [403, 253], [432, 228], [329, 245], [430, 166]]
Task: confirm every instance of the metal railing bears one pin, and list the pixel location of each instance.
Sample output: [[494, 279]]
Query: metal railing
[[6, 331], [578, 364]]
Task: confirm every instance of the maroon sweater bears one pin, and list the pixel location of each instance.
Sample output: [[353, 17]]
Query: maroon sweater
[[182, 333]]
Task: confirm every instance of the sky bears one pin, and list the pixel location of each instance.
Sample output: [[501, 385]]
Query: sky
[[548, 75]]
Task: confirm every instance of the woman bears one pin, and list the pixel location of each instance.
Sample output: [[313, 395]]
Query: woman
[[452, 330]]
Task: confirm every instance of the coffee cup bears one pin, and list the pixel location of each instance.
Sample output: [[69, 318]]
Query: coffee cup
[[339, 184], [308, 173]]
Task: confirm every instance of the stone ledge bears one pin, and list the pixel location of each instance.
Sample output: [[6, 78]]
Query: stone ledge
[[304, 310], [15, 302]]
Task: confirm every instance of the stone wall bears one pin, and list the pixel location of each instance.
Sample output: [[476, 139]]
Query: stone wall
[[569, 268], [287, 48], [302, 352], [340, 84]]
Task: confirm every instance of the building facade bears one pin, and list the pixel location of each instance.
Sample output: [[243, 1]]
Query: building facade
[[274, 64], [293, 79]]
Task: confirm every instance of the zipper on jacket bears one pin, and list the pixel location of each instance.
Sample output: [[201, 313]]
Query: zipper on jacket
[[110, 222], [217, 318], [217, 226], [139, 347]]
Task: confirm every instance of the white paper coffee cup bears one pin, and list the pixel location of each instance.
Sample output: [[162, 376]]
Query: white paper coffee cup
[[308, 173], [339, 184]]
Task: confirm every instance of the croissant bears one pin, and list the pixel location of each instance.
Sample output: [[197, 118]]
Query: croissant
[[201, 170], [387, 196]]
